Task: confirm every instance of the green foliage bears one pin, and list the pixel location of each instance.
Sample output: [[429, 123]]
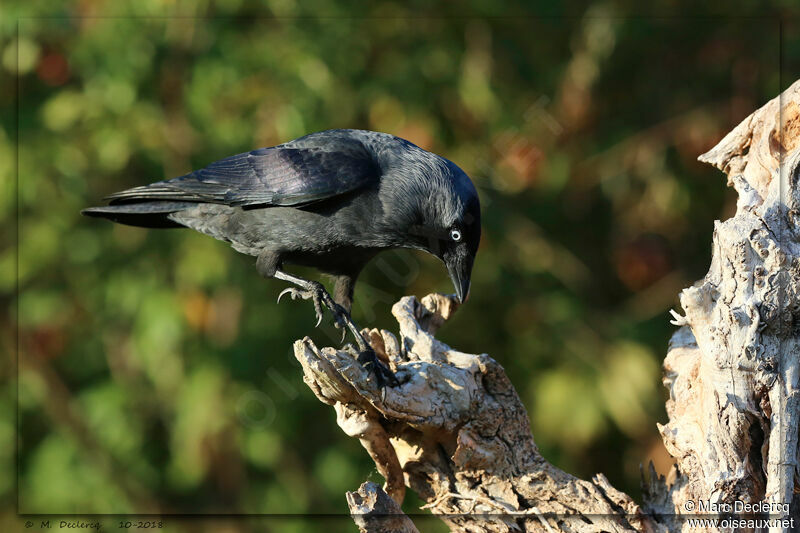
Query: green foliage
[[156, 373]]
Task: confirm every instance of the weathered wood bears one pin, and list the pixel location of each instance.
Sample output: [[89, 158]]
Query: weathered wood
[[459, 433], [375, 512], [456, 432], [732, 367]]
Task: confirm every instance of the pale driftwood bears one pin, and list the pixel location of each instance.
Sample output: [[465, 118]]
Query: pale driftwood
[[455, 431], [732, 367]]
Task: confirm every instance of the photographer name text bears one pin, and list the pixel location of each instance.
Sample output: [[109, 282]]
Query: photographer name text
[[736, 507]]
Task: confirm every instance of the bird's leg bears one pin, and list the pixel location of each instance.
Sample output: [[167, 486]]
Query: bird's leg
[[316, 292], [343, 288]]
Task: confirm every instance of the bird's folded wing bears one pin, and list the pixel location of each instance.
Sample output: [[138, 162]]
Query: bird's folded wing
[[284, 175]]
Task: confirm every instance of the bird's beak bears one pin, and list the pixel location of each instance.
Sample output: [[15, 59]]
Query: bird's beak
[[460, 270]]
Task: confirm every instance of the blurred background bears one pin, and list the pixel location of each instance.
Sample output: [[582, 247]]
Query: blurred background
[[155, 370]]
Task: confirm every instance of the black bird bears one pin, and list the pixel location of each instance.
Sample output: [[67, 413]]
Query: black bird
[[330, 200]]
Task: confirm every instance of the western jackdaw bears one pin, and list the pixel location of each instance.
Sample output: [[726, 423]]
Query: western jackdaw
[[330, 200]]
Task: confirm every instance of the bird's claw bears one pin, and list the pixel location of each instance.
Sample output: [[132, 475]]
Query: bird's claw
[[312, 294], [291, 290], [341, 319], [383, 376]]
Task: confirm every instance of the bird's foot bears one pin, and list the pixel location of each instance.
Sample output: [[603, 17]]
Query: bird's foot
[[365, 355], [342, 320], [320, 297], [378, 370]]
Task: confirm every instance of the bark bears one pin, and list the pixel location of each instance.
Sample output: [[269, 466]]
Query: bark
[[732, 367], [375, 512], [455, 431]]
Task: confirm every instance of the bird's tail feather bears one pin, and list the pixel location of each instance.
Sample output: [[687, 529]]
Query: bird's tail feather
[[143, 214]]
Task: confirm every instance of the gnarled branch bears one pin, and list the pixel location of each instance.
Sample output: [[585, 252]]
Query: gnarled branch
[[455, 431]]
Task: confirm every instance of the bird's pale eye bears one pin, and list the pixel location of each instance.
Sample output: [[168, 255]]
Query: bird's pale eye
[[455, 235]]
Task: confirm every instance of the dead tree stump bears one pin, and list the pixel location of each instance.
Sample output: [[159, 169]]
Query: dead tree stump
[[455, 431]]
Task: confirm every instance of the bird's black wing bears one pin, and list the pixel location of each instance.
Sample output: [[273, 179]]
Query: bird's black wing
[[297, 173]]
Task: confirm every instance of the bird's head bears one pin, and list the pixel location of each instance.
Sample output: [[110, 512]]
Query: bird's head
[[459, 246], [447, 221]]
